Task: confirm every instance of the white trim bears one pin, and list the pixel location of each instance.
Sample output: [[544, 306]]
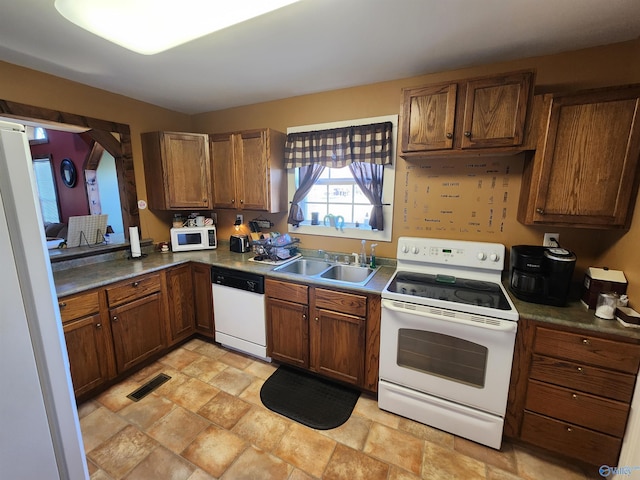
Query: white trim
[[387, 191]]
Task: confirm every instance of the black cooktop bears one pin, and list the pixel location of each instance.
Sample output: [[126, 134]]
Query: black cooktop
[[450, 289]]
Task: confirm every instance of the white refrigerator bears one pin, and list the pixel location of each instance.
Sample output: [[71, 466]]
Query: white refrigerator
[[40, 434]]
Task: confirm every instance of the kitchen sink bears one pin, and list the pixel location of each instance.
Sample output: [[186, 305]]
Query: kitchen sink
[[349, 274], [304, 266], [352, 274]]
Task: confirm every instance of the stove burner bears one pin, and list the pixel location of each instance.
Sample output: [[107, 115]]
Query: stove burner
[[475, 298], [478, 284]]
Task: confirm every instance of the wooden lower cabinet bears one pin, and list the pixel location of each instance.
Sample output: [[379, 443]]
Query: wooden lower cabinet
[[203, 299], [320, 329], [138, 330], [88, 340], [571, 391], [180, 302]]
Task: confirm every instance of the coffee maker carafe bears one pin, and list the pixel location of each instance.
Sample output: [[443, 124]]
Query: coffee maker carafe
[[541, 274]]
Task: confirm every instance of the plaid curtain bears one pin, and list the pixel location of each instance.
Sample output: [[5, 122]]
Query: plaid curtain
[[339, 147]]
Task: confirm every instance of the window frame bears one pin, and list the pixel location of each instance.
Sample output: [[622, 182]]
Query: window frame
[[387, 189]]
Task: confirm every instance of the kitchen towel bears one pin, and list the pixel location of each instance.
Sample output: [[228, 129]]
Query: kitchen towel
[[134, 241]]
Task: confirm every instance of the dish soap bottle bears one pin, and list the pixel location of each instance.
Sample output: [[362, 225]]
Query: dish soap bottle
[[363, 255], [373, 255]]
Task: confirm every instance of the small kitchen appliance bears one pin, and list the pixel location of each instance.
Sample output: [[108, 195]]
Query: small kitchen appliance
[[598, 280], [541, 274], [239, 243], [186, 239], [447, 334]]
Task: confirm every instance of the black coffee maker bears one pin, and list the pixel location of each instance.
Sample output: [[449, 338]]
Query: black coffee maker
[[541, 274]]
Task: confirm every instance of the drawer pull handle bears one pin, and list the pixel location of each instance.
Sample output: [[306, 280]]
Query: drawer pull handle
[[574, 396], [585, 341], [135, 284], [62, 304], [580, 370], [568, 429]]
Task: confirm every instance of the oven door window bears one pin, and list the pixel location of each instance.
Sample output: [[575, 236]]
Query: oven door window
[[442, 355]]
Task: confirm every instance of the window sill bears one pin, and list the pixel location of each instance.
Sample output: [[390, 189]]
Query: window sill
[[346, 232]]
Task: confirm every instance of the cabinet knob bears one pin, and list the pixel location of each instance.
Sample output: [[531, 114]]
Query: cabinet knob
[[241, 201], [316, 319], [569, 429], [574, 396], [540, 211], [467, 134], [585, 341], [449, 135], [115, 318], [62, 304], [233, 200], [98, 325], [580, 370], [135, 284], [304, 317]]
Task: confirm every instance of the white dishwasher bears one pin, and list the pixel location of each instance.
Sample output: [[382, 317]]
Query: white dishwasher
[[239, 311]]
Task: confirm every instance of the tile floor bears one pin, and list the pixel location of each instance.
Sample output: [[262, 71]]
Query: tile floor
[[208, 422]]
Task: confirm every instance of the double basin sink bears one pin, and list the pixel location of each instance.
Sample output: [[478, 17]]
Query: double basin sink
[[339, 273]]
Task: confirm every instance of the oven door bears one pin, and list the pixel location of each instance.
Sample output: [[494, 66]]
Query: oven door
[[454, 356]]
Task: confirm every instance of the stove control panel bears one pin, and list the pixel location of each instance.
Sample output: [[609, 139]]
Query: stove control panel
[[482, 255]]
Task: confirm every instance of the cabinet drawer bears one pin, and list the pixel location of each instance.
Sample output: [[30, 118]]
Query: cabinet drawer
[[291, 292], [591, 447], [341, 302], [588, 349], [597, 413], [79, 306], [583, 377], [131, 289]]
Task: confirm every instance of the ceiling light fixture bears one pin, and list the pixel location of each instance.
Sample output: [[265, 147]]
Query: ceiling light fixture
[[153, 26]]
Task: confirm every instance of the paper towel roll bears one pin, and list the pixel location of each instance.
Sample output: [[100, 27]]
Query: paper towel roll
[[134, 241]]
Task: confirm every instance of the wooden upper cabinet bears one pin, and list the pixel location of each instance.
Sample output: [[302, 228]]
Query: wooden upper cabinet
[[177, 170], [248, 170], [584, 171], [482, 113], [428, 117]]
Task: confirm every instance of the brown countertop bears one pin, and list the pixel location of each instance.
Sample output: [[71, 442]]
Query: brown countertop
[[86, 277], [574, 315]]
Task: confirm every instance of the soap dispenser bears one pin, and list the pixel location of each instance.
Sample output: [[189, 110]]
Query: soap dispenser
[[373, 255], [363, 255]]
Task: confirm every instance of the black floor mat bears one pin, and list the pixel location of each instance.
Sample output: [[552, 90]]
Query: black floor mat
[[307, 399]]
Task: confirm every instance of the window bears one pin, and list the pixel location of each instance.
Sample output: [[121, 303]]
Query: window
[[47, 191], [335, 205]]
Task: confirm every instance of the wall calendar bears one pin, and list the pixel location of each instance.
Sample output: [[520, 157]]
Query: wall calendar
[[476, 195]]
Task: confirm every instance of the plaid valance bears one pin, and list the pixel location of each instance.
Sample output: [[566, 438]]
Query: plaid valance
[[339, 147]]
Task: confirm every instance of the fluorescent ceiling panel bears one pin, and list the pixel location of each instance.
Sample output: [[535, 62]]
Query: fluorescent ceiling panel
[[153, 26]]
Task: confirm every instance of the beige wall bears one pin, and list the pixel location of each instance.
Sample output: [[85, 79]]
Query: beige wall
[[27, 86], [608, 65], [602, 66]]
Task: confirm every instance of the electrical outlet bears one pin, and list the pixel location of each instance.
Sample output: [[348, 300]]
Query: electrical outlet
[[239, 219], [547, 242]]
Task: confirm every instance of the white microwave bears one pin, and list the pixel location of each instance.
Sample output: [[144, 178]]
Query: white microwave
[[186, 239]]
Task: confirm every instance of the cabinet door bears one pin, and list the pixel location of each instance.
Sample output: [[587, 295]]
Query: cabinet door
[[338, 346], [180, 301], [584, 173], [428, 116], [203, 299], [138, 330], [223, 171], [88, 344], [495, 111], [287, 332], [186, 159], [252, 170]]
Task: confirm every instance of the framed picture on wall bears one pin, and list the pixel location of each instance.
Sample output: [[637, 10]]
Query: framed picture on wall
[[68, 173]]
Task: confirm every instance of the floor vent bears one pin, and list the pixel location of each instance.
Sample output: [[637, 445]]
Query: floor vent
[[148, 387]]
